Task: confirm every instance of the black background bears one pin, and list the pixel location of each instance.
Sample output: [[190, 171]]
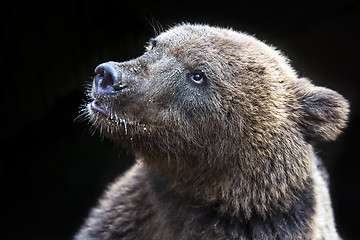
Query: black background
[[53, 169]]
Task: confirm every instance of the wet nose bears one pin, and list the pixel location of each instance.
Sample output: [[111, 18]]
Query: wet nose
[[106, 79]]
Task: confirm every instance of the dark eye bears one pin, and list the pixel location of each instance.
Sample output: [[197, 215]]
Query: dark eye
[[197, 77], [153, 42]]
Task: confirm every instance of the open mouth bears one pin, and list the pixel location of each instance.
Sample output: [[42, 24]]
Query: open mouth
[[112, 117], [95, 106]]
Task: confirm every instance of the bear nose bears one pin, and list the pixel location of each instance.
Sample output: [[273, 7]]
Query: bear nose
[[107, 78]]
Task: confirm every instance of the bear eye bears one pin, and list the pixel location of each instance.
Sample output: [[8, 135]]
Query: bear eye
[[197, 77], [153, 42]]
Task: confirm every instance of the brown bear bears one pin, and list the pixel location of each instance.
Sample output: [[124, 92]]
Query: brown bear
[[222, 128]]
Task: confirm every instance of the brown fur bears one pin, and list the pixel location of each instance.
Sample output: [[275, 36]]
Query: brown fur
[[230, 158]]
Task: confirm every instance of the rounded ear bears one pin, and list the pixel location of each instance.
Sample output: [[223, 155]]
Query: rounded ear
[[324, 112]]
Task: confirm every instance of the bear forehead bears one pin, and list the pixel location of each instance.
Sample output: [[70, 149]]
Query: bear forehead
[[184, 33], [227, 43]]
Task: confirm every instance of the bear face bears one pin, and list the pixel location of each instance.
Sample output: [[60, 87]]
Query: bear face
[[205, 104], [162, 88]]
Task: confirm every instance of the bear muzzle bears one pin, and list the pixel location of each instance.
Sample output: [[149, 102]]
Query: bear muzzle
[[107, 83], [107, 80]]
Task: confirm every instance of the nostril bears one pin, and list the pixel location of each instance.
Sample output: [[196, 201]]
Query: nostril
[[107, 75]]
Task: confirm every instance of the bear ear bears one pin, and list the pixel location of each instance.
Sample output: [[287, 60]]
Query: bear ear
[[324, 112]]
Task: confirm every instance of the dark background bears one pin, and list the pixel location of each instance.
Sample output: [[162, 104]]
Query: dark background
[[53, 169]]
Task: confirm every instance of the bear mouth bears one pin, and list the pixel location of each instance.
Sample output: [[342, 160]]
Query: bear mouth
[[98, 108], [100, 111]]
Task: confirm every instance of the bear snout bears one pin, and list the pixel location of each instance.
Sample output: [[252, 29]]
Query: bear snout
[[107, 80]]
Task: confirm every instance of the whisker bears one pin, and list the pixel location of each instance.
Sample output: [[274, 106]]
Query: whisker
[[83, 114]]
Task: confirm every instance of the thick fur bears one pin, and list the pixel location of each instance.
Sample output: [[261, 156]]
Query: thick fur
[[228, 158]]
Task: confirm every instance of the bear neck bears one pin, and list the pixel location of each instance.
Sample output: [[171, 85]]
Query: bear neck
[[257, 183]]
